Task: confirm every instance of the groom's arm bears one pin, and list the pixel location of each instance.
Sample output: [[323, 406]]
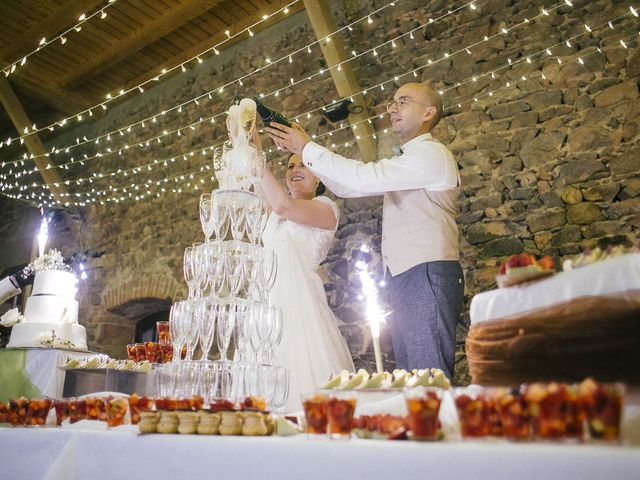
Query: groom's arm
[[427, 165]]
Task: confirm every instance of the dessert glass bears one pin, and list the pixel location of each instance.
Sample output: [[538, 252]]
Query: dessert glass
[[38, 411], [116, 411], [547, 404], [96, 409], [513, 412], [163, 332], [137, 405], [131, 352], [167, 352], [18, 411], [153, 352], [423, 407], [341, 407], [141, 352], [62, 410], [4, 412], [603, 407], [472, 412], [77, 410], [315, 414]]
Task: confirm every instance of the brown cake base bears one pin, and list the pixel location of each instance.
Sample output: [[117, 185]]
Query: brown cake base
[[589, 336]]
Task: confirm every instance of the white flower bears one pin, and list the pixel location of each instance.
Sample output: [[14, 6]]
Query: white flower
[[11, 318], [52, 260], [51, 340]]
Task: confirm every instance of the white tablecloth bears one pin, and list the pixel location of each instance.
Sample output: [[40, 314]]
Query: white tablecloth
[[605, 278], [41, 368], [121, 454]]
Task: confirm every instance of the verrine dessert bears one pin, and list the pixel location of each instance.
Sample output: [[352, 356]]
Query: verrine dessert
[[472, 412], [603, 407], [340, 411], [315, 413], [423, 408]]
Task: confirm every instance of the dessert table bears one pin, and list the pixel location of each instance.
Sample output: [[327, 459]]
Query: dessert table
[[121, 453]]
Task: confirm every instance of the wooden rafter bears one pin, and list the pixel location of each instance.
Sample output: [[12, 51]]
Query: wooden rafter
[[48, 28], [65, 102], [207, 43], [151, 32], [344, 79], [32, 142]]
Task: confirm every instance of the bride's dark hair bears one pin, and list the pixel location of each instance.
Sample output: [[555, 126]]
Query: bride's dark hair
[[320, 189]]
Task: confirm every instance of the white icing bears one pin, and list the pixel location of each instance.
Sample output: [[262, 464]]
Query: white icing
[[54, 282], [25, 334], [51, 309]]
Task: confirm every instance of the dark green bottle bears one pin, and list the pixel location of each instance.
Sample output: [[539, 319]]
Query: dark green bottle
[[269, 115]]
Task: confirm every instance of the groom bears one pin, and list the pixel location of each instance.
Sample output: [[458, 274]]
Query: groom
[[419, 233]]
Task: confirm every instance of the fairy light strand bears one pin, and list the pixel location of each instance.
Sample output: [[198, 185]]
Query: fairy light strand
[[138, 169], [62, 38], [196, 58], [127, 191]]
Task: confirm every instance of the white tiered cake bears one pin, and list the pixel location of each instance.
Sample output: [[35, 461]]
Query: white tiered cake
[[51, 307]]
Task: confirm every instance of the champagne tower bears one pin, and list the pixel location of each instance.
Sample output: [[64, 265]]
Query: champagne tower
[[229, 276]]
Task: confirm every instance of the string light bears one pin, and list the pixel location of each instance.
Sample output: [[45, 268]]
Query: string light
[[141, 122], [199, 60], [308, 116], [11, 67], [414, 71], [475, 99]]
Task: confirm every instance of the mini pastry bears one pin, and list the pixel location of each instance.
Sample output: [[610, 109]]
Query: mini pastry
[[168, 423], [148, 422], [231, 423], [254, 424], [188, 422], [209, 423]]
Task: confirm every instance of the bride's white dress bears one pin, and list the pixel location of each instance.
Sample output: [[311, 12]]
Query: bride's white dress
[[312, 347]]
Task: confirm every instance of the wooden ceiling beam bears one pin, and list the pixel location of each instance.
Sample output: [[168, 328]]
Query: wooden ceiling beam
[[33, 143], [152, 31], [64, 17], [345, 81], [65, 102], [199, 47]]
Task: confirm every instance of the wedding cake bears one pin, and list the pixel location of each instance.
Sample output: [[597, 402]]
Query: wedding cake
[[51, 313]]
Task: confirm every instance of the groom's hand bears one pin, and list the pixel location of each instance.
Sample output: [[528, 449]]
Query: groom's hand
[[292, 139]]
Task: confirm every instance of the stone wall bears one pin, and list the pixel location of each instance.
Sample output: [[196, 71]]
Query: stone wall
[[548, 165]]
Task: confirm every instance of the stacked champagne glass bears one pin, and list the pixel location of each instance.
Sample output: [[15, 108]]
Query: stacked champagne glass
[[229, 276]]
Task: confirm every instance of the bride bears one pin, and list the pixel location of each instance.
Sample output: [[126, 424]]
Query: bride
[[300, 230]]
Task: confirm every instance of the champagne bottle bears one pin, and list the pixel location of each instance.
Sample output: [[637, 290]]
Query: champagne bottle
[[269, 115]]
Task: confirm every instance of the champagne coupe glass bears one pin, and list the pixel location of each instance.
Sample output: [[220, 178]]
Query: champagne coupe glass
[[201, 267], [176, 328], [243, 328], [216, 266], [253, 215], [206, 217], [191, 313], [281, 393], [226, 319], [189, 272], [237, 207], [219, 215], [264, 328], [275, 314], [206, 326]]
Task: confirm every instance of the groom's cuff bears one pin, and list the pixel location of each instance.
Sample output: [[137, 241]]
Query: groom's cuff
[[311, 152]]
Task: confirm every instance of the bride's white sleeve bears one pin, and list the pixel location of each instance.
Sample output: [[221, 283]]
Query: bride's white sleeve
[[332, 204]]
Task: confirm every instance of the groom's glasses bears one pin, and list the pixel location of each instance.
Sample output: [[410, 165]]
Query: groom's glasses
[[402, 102]]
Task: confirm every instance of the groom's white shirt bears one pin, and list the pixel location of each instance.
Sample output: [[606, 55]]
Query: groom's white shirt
[[420, 189]]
